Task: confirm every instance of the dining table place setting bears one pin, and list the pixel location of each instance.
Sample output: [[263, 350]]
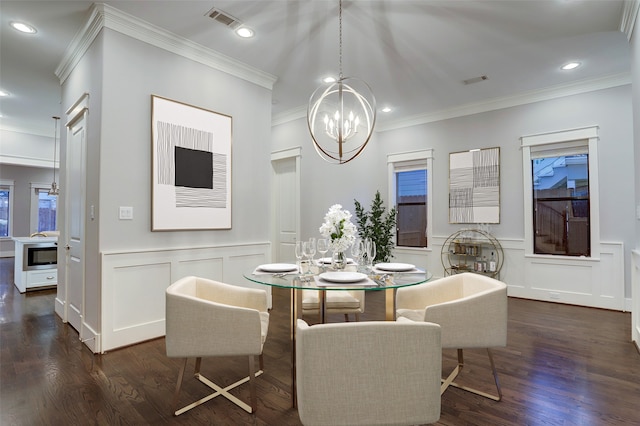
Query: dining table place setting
[[277, 269], [392, 268], [344, 279]]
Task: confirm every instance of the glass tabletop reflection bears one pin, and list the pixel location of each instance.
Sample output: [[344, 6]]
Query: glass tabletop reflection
[[352, 277]]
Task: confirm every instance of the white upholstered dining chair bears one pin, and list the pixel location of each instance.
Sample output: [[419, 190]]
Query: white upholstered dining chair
[[206, 318], [470, 308], [368, 373]]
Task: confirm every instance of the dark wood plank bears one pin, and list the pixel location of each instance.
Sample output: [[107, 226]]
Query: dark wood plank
[[564, 365]]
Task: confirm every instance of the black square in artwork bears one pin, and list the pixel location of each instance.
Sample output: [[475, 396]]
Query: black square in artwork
[[194, 168]]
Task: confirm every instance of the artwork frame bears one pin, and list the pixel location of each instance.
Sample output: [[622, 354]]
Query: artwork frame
[[474, 186], [191, 167]]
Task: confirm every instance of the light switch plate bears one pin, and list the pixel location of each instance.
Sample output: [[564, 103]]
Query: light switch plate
[[126, 213]]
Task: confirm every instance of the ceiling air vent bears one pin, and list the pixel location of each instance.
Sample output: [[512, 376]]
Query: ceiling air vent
[[223, 18], [476, 79]]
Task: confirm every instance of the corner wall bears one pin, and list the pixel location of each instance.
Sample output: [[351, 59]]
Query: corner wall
[[120, 66]]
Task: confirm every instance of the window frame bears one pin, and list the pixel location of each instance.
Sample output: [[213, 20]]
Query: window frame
[[9, 185], [34, 208], [407, 161], [556, 142]]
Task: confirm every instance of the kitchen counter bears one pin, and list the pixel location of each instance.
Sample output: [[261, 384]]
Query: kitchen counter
[[30, 240], [34, 277]]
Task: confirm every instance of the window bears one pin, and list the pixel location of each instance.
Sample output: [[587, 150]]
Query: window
[[410, 190], [561, 194], [44, 208], [411, 202], [6, 208], [561, 205]]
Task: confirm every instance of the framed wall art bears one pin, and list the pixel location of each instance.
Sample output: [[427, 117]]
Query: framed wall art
[[191, 170], [474, 186]]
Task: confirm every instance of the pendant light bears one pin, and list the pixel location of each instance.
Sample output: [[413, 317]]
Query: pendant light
[[341, 116], [54, 186]]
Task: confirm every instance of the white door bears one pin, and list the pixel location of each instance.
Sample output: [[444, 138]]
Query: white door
[[75, 207], [286, 196]]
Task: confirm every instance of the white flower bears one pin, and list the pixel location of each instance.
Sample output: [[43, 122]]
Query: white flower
[[337, 227]]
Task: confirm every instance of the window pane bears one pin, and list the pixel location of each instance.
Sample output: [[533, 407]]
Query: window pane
[[561, 218], [411, 202], [4, 212], [47, 209]]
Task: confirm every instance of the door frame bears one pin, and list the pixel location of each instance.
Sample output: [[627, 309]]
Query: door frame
[[285, 154], [78, 111]]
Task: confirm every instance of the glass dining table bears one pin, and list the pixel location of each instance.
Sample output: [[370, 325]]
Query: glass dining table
[[371, 279]]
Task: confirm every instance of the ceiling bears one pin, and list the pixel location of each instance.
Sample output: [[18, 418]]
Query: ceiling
[[415, 55]]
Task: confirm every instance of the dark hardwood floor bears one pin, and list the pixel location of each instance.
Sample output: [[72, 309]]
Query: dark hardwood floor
[[564, 365]]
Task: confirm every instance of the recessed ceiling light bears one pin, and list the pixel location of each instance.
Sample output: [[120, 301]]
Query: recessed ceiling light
[[3, 93], [23, 28], [570, 66], [329, 79], [386, 109], [244, 32]]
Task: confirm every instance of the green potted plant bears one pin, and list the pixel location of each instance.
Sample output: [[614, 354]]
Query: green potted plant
[[377, 226]]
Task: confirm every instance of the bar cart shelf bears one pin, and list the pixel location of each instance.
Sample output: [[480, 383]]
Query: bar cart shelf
[[472, 250]]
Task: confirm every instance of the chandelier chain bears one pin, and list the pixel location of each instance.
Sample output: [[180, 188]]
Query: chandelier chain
[[340, 45]]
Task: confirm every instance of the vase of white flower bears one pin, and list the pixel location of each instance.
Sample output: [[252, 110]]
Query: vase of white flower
[[338, 261], [337, 227]]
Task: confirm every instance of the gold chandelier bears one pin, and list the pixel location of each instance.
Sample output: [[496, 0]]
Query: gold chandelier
[[341, 116]]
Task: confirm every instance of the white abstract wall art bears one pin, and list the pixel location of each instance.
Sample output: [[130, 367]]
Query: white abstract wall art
[[191, 170], [474, 186]]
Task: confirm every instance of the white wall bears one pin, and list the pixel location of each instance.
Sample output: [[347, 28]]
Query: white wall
[[324, 184], [120, 73], [610, 109], [635, 265], [133, 71]]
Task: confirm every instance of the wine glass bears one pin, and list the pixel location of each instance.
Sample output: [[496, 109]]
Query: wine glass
[[306, 252], [370, 247], [356, 252], [299, 254], [312, 251], [322, 246]]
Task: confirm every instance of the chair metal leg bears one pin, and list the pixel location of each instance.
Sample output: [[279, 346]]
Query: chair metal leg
[[252, 383], [219, 390], [449, 381], [174, 402]]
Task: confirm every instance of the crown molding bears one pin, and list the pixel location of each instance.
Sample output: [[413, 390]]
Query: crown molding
[[629, 16], [289, 115], [18, 160], [104, 16], [553, 92]]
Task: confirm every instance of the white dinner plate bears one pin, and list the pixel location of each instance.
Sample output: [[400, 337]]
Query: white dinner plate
[[327, 260], [395, 267], [278, 267], [343, 277]]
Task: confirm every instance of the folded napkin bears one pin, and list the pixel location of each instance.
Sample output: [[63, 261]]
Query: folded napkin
[[324, 283]]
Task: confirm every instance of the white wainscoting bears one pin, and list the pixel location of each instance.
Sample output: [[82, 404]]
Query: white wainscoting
[[596, 283], [635, 296], [134, 284]]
